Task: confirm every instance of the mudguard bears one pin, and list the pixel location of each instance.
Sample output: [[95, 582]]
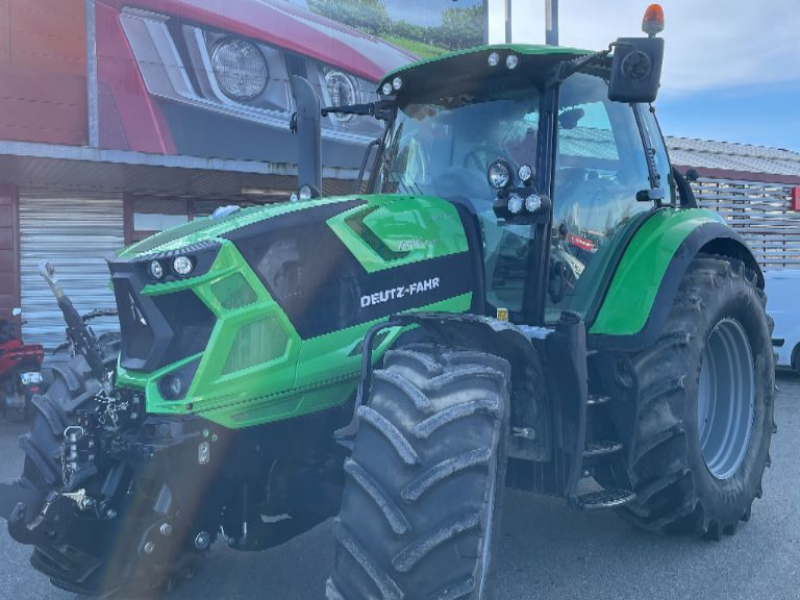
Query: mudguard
[[640, 293]]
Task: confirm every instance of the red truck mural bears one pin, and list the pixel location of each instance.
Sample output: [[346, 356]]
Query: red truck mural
[[210, 78], [180, 76]]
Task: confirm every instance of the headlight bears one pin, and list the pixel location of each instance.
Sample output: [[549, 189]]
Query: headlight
[[499, 174], [307, 192], [182, 265], [156, 270], [240, 69], [342, 92], [171, 387]]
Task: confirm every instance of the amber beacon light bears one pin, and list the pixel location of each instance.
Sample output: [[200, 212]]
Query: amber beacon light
[[653, 22]]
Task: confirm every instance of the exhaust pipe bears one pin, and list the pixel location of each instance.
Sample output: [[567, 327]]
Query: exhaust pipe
[[308, 124]]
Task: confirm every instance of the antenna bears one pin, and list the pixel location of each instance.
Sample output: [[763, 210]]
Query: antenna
[[551, 28]]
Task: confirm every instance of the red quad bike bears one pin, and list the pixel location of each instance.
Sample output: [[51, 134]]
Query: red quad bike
[[20, 370]]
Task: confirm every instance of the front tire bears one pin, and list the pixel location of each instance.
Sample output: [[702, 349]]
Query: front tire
[[705, 414], [86, 569], [421, 507]]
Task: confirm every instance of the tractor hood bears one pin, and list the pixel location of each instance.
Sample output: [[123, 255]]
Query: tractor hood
[[227, 306], [212, 228]]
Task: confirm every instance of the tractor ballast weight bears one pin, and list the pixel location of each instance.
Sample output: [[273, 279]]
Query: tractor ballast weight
[[526, 296]]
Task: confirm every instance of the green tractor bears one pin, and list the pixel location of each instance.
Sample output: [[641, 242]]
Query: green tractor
[[527, 296]]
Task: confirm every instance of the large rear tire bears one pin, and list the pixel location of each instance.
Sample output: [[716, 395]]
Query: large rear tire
[[705, 413], [421, 507]]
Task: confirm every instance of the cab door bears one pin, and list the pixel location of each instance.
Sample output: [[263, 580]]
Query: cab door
[[601, 190]]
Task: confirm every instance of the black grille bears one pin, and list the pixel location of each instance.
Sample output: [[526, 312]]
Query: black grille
[[160, 330], [137, 337]]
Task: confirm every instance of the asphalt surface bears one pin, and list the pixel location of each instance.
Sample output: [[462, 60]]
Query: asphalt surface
[[547, 551]]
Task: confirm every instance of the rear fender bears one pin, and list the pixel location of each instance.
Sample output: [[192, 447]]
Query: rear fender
[[643, 287]]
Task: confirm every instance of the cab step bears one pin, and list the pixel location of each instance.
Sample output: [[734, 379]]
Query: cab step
[[595, 450], [605, 499]]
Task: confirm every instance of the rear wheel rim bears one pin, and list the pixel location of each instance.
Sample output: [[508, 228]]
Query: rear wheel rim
[[726, 399]]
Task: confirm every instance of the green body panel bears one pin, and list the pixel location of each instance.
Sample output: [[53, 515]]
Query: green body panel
[[210, 229], [418, 228], [635, 283], [301, 375], [523, 49]]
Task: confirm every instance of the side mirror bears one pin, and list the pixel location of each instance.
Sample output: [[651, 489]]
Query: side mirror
[[636, 69], [16, 312], [692, 175]]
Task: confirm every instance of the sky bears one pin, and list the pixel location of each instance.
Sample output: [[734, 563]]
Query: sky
[[731, 69]]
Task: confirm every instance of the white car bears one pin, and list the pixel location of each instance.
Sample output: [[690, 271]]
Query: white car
[[783, 305]]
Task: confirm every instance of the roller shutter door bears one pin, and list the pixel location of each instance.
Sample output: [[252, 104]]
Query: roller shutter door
[[76, 233]]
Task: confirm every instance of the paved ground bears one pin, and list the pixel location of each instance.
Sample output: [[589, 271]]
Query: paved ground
[[548, 551]]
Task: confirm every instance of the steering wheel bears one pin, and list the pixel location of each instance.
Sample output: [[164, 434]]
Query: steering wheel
[[459, 181], [562, 280], [491, 154]]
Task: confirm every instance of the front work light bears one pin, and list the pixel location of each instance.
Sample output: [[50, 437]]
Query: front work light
[[494, 59], [653, 22], [499, 174], [240, 69], [515, 204], [533, 203]]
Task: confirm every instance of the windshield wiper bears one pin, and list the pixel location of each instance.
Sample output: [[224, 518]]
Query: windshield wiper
[[569, 67], [382, 110]]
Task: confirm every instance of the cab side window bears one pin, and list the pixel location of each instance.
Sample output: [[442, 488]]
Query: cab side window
[[601, 166]]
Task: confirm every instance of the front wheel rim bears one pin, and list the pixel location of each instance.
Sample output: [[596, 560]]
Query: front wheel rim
[[726, 399]]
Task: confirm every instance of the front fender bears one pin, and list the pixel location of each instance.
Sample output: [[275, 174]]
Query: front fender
[[646, 280]]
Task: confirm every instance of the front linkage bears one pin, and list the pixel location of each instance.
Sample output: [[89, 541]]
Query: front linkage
[[116, 500]]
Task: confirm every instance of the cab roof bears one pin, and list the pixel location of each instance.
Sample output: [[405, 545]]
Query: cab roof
[[468, 60]]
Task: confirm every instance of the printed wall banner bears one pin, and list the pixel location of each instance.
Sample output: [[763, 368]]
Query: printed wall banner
[[43, 72], [211, 78]]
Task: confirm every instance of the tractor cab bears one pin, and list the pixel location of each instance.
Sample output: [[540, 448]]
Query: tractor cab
[[536, 143]]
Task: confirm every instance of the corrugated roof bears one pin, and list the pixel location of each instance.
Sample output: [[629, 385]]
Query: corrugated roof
[[728, 156]]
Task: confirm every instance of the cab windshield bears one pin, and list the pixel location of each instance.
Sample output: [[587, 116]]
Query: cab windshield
[[444, 148]]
